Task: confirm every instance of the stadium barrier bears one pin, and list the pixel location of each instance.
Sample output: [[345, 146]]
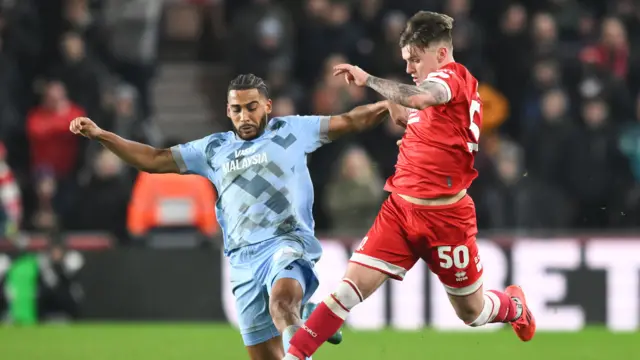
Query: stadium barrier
[[570, 283]]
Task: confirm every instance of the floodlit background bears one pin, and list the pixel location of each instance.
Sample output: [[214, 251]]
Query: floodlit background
[[102, 262]]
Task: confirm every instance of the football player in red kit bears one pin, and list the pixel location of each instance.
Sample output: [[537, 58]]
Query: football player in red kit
[[428, 215]]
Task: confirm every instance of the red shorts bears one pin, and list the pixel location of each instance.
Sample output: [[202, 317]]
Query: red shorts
[[444, 236]]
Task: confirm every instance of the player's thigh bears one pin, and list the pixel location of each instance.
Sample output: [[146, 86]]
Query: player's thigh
[[366, 280], [453, 252], [252, 304], [290, 273], [383, 252], [268, 350], [459, 269]]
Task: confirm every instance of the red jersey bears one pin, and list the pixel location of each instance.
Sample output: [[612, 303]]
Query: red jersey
[[439, 145]]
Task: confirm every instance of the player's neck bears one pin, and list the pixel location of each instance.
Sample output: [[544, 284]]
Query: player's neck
[[447, 61]]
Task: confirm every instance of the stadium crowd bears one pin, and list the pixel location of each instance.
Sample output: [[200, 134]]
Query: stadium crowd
[[560, 144]]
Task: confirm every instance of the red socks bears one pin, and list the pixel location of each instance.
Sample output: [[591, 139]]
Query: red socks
[[320, 326], [507, 308]]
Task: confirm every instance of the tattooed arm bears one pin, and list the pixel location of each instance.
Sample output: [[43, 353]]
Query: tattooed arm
[[427, 94]]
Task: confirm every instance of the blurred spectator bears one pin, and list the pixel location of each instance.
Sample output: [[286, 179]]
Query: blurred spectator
[[45, 218], [333, 95], [613, 50], [52, 146], [283, 106], [127, 121], [387, 55], [327, 29], [281, 83], [544, 35], [10, 201], [80, 74], [263, 31], [629, 144], [520, 202], [546, 139], [509, 53], [11, 91], [596, 175], [77, 18], [133, 37], [467, 35], [545, 77], [101, 203], [355, 194], [59, 294]]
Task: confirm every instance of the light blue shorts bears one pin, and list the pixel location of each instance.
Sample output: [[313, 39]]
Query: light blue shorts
[[254, 270]]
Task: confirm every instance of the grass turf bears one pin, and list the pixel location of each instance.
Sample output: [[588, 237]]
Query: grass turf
[[221, 342]]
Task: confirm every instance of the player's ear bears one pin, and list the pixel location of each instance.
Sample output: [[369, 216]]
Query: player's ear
[[228, 111], [442, 53], [268, 106]]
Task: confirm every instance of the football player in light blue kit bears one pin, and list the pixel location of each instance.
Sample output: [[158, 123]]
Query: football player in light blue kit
[[265, 196]]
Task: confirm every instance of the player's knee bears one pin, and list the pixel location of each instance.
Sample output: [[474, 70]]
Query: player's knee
[[345, 298]]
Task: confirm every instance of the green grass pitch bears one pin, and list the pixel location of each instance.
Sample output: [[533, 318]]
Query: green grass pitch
[[221, 342]]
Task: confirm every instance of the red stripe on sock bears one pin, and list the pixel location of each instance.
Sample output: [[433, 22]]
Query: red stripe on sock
[[339, 303], [355, 288], [507, 310]]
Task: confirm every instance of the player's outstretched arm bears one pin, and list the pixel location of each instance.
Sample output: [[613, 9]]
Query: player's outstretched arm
[[141, 156], [427, 94], [358, 119]]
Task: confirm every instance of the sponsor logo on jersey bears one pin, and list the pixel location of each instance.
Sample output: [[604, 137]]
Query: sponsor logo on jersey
[[245, 162]]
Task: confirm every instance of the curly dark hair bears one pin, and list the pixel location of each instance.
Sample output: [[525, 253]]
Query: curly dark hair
[[249, 81]]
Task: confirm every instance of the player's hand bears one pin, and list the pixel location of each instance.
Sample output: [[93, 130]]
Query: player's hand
[[399, 114], [399, 142], [85, 127], [352, 74]]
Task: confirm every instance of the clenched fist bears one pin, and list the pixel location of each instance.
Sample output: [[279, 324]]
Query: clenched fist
[[85, 127]]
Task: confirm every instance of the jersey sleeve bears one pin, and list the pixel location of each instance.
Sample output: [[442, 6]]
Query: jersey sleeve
[[450, 80], [312, 131], [191, 157]]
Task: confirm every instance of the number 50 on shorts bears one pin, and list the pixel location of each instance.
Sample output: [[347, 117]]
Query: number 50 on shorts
[[457, 256]]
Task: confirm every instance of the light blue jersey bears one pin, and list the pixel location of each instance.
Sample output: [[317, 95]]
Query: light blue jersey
[[264, 187], [264, 207]]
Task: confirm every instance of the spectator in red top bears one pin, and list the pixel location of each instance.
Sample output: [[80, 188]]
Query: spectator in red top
[[51, 144], [613, 50]]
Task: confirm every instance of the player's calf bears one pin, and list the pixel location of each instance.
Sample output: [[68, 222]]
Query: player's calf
[[328, 317], [285, 304]]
